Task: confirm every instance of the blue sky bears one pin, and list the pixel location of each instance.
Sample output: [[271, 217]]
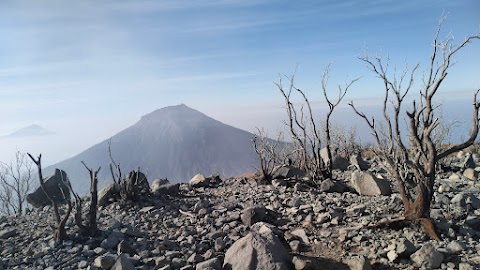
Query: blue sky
[[87, 69]]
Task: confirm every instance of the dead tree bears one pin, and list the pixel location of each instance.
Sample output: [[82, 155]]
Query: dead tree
[[344, 140], [129, 186], [16, 182], [306, 135], [60, 233], [418, 159], [89, 228], [270, 153], [117, 172]]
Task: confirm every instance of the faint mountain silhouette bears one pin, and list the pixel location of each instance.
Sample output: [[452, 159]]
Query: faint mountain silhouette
[[30, 131], [176, 142]]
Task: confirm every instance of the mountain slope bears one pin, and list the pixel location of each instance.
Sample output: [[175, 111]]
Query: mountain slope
[[174, 142]]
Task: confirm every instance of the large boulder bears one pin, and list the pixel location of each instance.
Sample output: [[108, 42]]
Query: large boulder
[[55, 186], [366, 183], [259, 249], [168, 189], [282, 172], [137, 182], [107, 193], [201, 181], [198, 181], [357, 161], [159, 182], [339, 162], [331, 186]]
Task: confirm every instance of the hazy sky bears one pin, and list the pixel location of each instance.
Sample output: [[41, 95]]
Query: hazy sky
[[88, 69]]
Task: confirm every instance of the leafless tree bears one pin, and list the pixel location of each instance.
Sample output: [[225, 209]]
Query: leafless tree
[[306, 134], [344, 139], [269, 152], [129, 186], [16, 182], [418, 159], [88, 228], [60, 233]]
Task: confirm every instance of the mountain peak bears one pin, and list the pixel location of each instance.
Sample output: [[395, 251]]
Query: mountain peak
[[175, 142], [30, 131], [180, 111]]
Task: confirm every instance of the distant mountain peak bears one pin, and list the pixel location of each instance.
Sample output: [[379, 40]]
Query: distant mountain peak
[[30, 131]]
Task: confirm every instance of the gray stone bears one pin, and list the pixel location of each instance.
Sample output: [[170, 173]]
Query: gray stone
[[392, 255], [355, 210], [339, 162], [137, 184], [199, 181], [472, 201], [473, 222], [282, 172], [125, 247], [168, 189], [279, 183], [104, 261], [257, 213], [299, 187], [454, 177], [159, 182], [194, 258], [427, 256], [211, 264], [468, 162], [295, 245], [366, 183], [219, 245], [106, 193], [123, 263], [82, 264], [458, 199], [357, 161], [359, 263], [55, 186], [178, 262], [301, 234], [260, 249], [302, 263], [7, 233], [405, 248], [470, 174], [331, 186], [465, 266], [456, 246], [110, 243]]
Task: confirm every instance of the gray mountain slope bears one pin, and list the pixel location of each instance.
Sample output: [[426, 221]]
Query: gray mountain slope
[[176, 142]]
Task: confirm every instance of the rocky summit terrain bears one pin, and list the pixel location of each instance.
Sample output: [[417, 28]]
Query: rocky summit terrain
[[239, 223]]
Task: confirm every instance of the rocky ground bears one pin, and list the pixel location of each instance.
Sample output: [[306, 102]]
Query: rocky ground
[[240, 224]]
